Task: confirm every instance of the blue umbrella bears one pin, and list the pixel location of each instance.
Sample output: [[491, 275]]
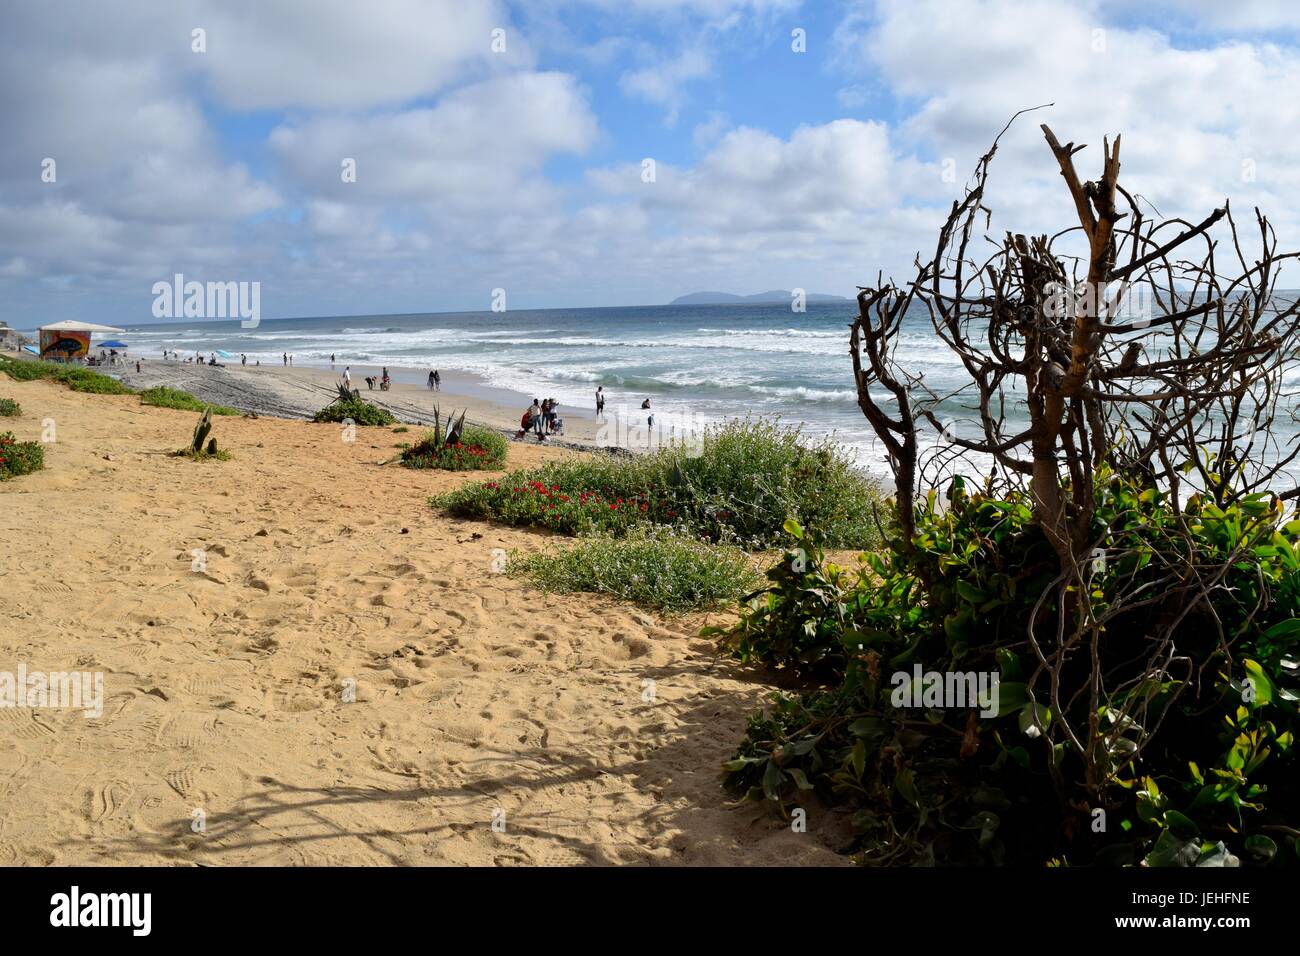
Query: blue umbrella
[[223, 353], [115, 344], [33, 349]]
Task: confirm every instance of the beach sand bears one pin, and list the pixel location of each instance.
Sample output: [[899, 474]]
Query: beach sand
[[476, 697], [299, 392]]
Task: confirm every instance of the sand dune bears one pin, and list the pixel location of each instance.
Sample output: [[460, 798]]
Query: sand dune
[[224, 686]]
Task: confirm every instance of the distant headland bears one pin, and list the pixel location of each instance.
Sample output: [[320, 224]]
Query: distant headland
[[773, 295]]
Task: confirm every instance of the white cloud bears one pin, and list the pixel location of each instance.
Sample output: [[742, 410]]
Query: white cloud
[[337, 53], [664, 83], [1190, 118], [478, 152]]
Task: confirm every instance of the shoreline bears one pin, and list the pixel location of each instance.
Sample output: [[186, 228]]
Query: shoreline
[[298, 392]]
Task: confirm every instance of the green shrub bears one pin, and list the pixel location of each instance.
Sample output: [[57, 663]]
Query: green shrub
[[358, 410], [164, 397], [479, 449], [19, 457], [739, 485], [658, 568], [202, 455], [76, 377], [1217, 775], [9, 408], [399, 429]]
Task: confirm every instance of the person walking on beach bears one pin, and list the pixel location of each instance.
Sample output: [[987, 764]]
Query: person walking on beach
[[437, 380], [243, 359], [600, 400], [331, 360], [650, 419], [347, 377], [285, 358]]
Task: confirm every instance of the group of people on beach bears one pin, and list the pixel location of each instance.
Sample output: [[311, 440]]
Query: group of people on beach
[[542, 419]]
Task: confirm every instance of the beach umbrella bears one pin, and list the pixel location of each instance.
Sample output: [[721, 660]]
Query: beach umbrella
[[223, 353], [33, 349], [114, 344], [71, 326]]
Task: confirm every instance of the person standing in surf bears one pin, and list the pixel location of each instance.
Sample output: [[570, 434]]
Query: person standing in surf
[[600, 400]]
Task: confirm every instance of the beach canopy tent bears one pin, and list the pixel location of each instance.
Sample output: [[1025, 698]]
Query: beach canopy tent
[[64, 341], [112, 344]]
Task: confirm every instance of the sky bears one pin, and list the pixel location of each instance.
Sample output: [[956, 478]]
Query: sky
[[595, 152]]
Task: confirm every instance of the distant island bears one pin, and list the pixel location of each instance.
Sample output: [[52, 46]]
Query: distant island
[[774, 295]]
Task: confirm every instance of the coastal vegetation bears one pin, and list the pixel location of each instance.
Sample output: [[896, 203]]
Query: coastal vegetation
[[19, 457], [661, 568], [10, 408], [350, 406], [475, 449], [738, 485], [76, 377], [164, 397], [1091, 654]]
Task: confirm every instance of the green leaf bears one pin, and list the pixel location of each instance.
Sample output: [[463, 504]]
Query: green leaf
[[1217, 855], [868, 727], [1284, 628], [793, 528], [800, 780], [1263, 686], [1260, 849], [1012, 696], [1034, 719], [1171, 850], [906, 786], [859, 758], [1181, 825], [772, 778]]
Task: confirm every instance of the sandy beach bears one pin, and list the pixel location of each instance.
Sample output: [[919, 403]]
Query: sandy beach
[[299, 392], [230, 607]]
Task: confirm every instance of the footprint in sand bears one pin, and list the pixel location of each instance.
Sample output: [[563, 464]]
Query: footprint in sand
[[186, 731], [107, 800], [205, 687], [181, 780], [52, 587], [24, 724]]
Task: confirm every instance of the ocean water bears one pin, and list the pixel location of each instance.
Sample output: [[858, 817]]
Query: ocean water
[[697, 364]]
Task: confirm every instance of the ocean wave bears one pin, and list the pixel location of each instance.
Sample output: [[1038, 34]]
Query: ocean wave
[[791, 333], [805, 393]]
